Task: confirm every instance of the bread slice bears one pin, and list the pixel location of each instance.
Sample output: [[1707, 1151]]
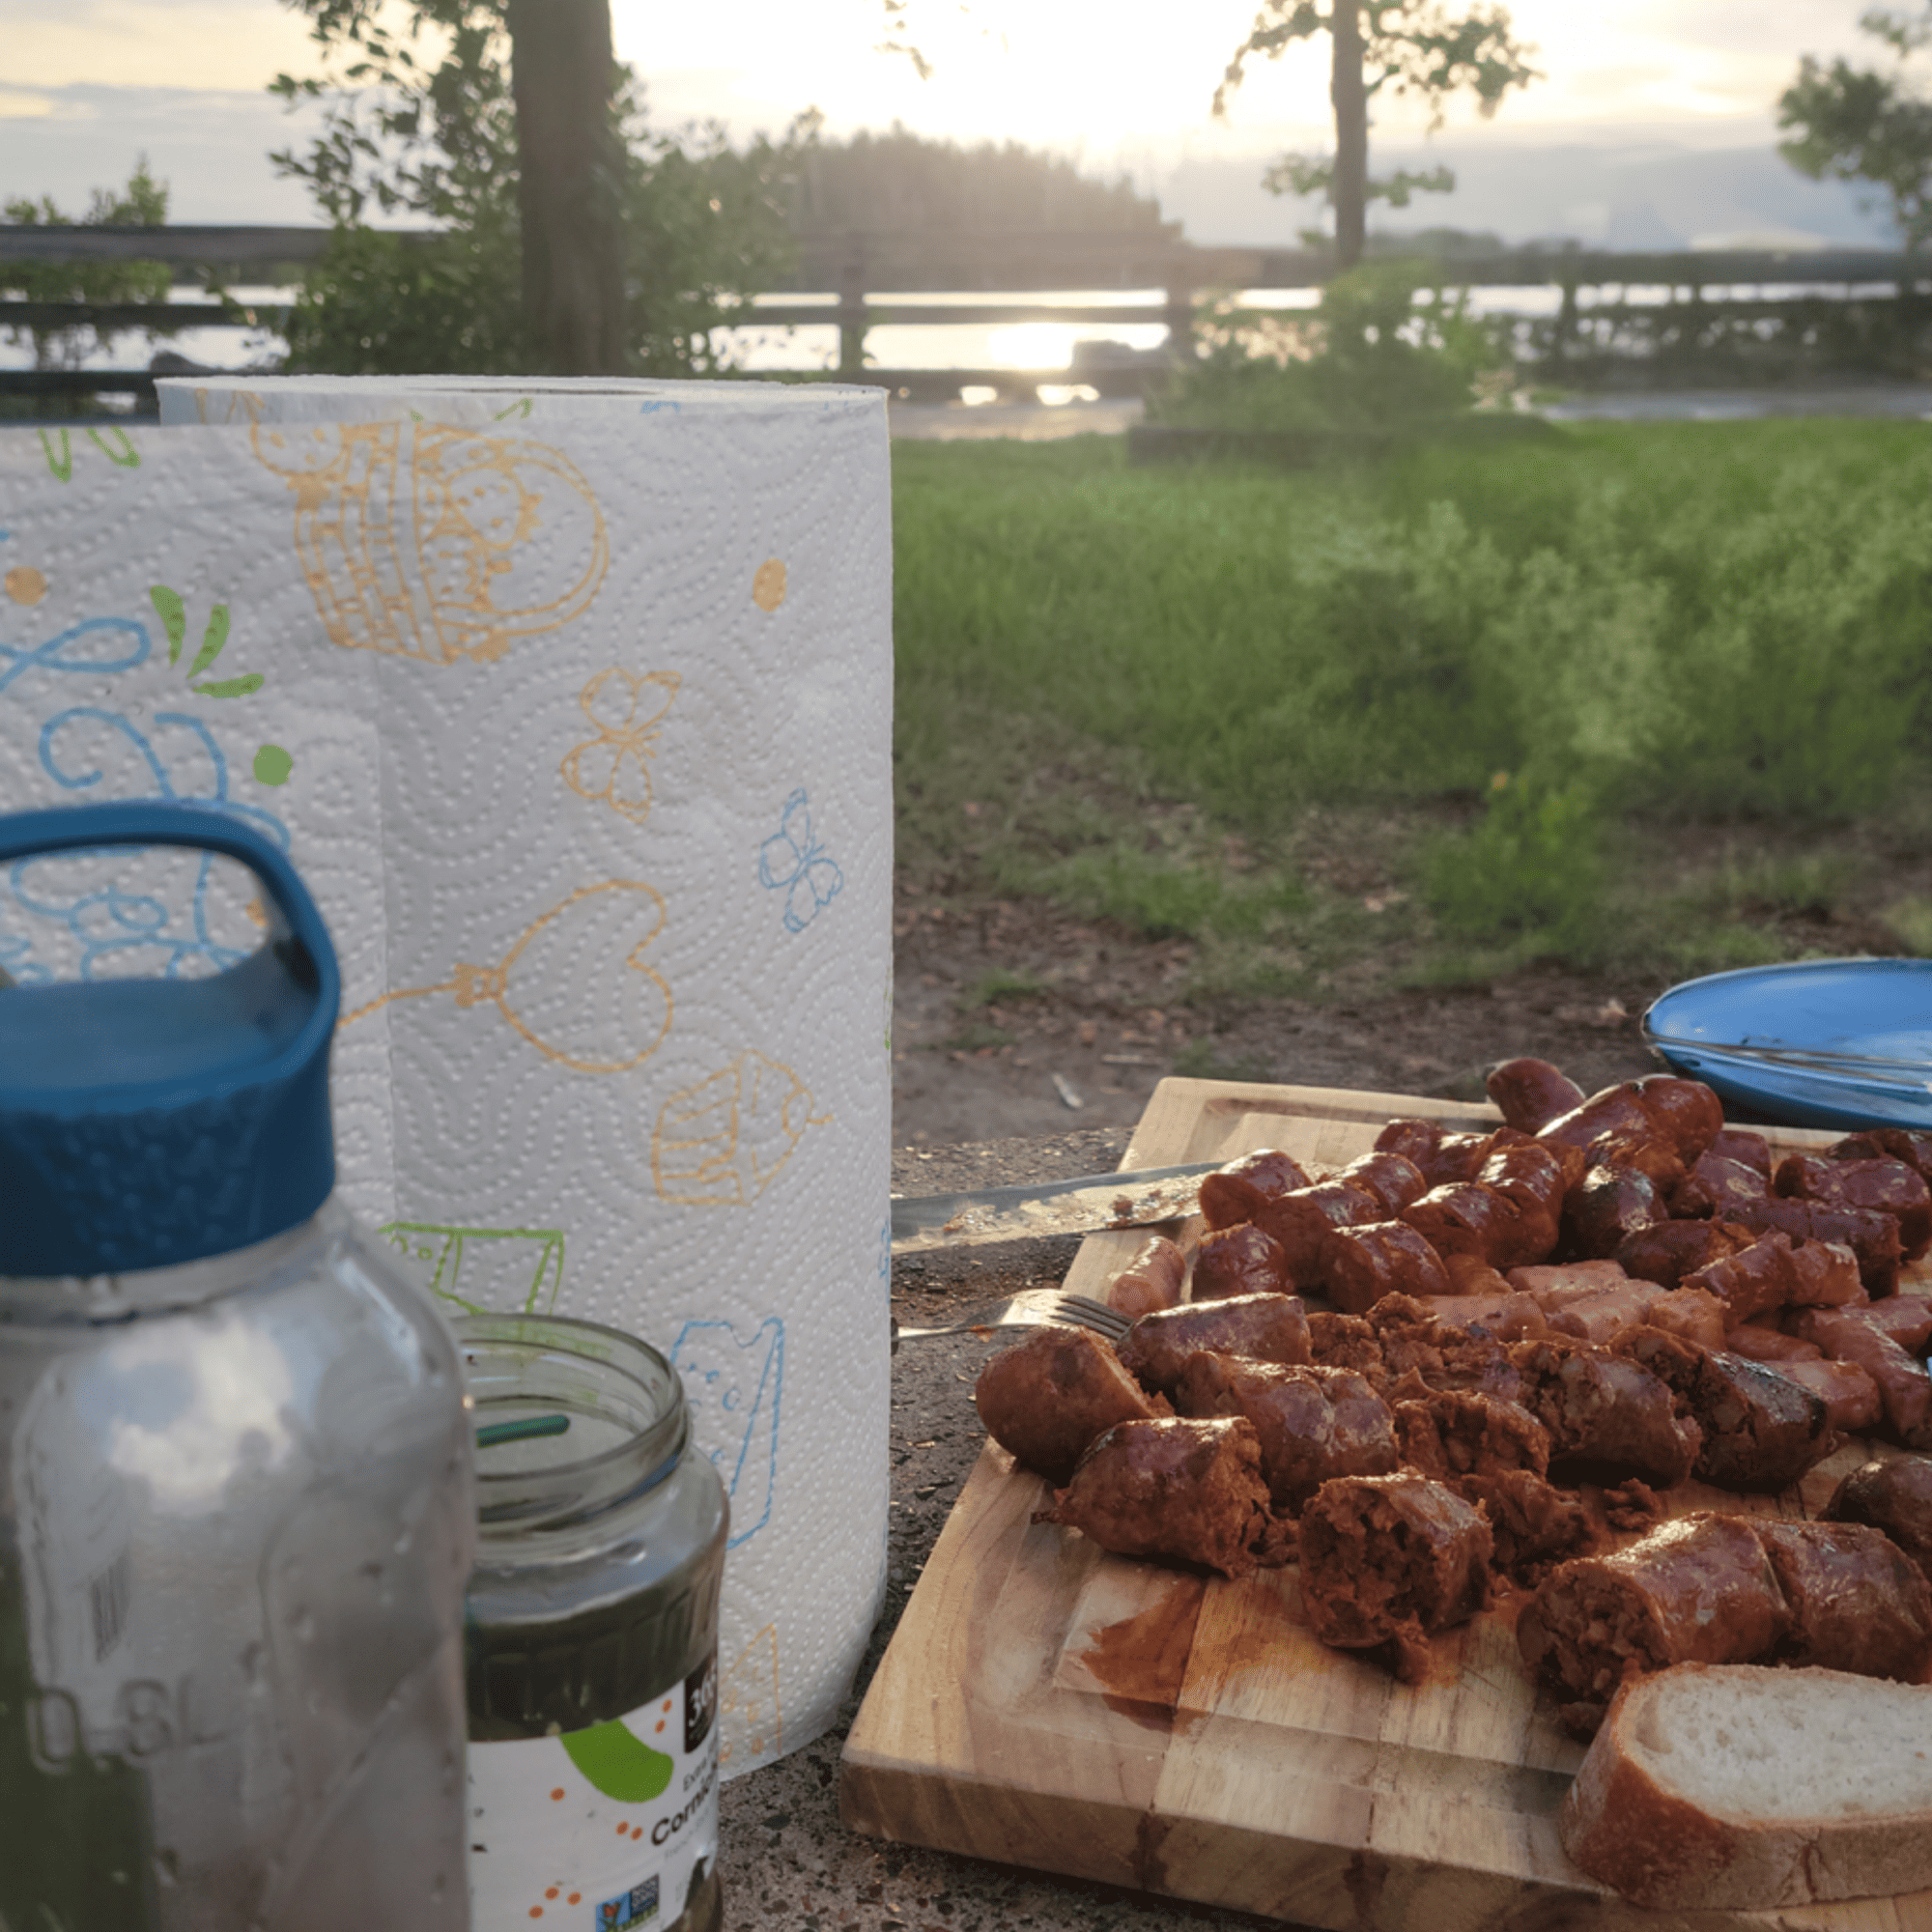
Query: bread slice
[[1743, 1787]]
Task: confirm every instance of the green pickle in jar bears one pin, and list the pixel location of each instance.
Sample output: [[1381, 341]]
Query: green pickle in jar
[[591, 1640]]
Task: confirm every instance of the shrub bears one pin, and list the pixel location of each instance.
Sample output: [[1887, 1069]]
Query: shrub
[[1370, 358]]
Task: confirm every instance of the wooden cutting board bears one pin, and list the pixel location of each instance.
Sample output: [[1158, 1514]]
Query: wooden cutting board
[[1046, 1704]]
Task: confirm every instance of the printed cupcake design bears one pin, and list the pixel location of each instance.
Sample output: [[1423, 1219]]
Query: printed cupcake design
[[428, 541]]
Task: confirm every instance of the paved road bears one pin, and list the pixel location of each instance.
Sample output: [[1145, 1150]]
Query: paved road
[[1908, 400], [1033, 422]]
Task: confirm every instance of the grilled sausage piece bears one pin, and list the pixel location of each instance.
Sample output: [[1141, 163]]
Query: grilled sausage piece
[[1857, 1602], [1531, 1092], [1606, 1412], [1762, 1431], [1872, 1236], [1240, 1260], [1452, 1432], [1911, 1144], [1151, 1280], [1685, 1112], [1536, 1526], [1741, 1145], [1046, 1398], [1266, 1327], [1441, 1156], [1468, 1218], [1393, 1179], [1178, 1487], [1607, 1207], [1895, 1496], [1231, 1194], [1885, 1185], [1852, 1402], [1391, 1560], [1299, 1218], [1313, 1422], [1714, 1184], [1357, 1266], [1699, 1589], [1905, 1393], [1752, 1281], [1667, 1251]]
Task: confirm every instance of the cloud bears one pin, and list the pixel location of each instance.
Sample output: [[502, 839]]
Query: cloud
[[1610, 82], [19, 104], [207, 44]]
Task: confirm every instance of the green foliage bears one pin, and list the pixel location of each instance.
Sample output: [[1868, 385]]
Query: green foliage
[[1407, 47], [1123, 670], [905, 180], [1531, 865], [1371, 357], [144, 204], [1162, 895], [407, 133], [993, 988], [1314, 174], [1856, 124], [1201, 1059]]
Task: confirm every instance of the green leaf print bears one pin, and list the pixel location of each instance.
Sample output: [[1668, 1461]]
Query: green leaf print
[[169, 609], [211, 641], [619, 1764]]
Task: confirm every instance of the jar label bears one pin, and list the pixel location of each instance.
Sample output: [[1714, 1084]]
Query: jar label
[[607, 1827]]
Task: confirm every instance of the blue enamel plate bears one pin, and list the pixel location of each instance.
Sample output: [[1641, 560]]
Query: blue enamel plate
[[1819, 1043]]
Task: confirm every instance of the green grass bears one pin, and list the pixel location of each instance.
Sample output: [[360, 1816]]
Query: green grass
[[990, 990], [1137, 691]]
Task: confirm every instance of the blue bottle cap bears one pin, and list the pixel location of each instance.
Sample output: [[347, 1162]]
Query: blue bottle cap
[[146, 1122]]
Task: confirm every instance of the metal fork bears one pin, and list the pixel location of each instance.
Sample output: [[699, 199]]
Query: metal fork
[[1031, 1309]]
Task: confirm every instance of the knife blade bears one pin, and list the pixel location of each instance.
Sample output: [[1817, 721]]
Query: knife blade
[[1085, 1206]]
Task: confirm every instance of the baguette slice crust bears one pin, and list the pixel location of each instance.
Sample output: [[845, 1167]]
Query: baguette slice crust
[[1744, 1787]]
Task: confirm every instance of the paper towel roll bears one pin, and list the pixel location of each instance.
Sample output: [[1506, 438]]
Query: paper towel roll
[[573, 706]]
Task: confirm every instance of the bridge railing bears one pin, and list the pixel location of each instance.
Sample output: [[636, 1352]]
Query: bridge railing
[[861, 279]]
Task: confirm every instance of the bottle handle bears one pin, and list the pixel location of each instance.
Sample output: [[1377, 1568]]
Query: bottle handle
[[301, 943]]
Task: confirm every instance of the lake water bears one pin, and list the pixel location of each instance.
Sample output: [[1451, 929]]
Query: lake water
[[1044, 346]]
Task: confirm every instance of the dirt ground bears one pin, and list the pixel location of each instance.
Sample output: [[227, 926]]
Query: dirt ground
[[1099, 1017], [1088, 1052]]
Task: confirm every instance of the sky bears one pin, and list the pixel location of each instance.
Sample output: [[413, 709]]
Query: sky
[[85, 85]]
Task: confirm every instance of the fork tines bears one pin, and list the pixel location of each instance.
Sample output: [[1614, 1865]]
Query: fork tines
[[1082, 1311]]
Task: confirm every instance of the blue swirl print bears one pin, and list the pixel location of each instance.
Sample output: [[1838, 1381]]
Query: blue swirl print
[[65, 652], [109, 923]]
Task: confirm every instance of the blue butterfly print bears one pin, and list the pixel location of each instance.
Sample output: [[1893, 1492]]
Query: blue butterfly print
[[792, 862]]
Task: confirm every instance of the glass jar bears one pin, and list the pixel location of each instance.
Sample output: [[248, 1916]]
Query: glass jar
[[591, 1649]]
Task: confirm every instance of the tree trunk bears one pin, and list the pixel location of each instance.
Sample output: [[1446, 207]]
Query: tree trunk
[[570, 184], [1349, 95]]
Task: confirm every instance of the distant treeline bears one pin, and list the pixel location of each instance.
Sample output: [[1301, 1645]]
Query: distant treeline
[[903, 180]]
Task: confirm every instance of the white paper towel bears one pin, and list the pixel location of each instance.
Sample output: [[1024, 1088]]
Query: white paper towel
[[573, 707]]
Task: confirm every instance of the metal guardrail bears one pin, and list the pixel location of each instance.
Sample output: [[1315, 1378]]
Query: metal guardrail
[[853, 267]]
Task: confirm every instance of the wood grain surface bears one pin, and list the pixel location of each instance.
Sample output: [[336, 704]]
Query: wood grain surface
[[1046, 1704]]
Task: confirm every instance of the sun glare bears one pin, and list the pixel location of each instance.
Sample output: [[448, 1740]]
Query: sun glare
[[1032, 344]]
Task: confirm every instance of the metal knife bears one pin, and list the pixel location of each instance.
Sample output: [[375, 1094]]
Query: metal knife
[[1084, 1206]]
